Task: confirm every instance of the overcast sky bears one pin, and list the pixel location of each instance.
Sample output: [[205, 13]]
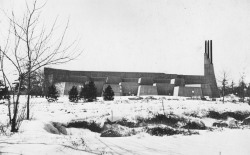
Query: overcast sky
[[153, 35]]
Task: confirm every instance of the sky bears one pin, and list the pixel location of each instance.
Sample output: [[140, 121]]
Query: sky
[[151, 35]]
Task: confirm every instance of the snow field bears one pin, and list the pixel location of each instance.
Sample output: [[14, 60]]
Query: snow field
[[33, 136]]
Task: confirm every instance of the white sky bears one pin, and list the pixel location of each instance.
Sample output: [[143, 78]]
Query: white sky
[[153, 35]]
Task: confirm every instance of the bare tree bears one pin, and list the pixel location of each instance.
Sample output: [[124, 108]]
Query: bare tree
[[34, 46], [224, 81], [242, 87], [232, 87]]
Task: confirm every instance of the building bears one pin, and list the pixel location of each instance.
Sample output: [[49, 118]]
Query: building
[[140, 83]]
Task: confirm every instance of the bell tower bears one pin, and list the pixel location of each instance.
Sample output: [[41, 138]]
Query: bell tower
[[209, 75]]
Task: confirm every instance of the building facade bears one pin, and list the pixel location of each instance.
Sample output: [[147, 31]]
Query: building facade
[[140, 83]]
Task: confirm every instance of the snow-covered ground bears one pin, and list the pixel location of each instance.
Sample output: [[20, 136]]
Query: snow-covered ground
[[34, 136]]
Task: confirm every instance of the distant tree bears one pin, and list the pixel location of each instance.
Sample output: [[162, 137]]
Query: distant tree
[[224, 81], [73, 94], [108, 94], [89, 92], [52, 94], [4, 92], [242, 87], [232, 88], [248, 91], [37, 83]]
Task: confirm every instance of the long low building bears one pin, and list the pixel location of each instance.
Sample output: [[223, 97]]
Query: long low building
[[140, 83]]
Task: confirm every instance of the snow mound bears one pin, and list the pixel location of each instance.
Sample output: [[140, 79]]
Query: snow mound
[[51, 129], [246, 121], [35, 127]]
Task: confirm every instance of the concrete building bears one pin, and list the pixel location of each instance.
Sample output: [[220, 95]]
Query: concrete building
[[140, 83]]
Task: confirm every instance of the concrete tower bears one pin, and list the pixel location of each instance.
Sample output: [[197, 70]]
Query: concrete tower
[[209, 69]]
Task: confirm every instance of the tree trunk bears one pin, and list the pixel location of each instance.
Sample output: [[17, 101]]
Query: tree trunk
[[29, 87], [15, 111], [28, 100], [9, 111]]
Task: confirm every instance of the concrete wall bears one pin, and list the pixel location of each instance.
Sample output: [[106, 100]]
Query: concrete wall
[[178, 82], [69, 85], [162, 81], [207, 82], [210, 77], [130, 80], [63, 75], [146, 81], [99, 87], [129, 88], [192, 79], [187, 91], [60, 87], [79, 79], [165, 88], [99, 79], [113, 80], [147, 90], [63, 88], [206, 90]]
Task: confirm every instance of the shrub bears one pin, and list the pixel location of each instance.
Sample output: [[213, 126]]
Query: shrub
[[123, 122], [60, 128], [195, 125], [111, 133], [73, 94], [238, 115], [4, 93], [108, 94], [170, 120], [215, 115], [52, 93], [92, 126], [89, 92], [220, 124], [36, 91], [161, 131]]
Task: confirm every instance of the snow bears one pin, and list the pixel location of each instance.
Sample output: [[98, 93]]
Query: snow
[[33, 136]]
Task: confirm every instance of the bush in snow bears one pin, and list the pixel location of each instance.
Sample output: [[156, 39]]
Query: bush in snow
[[108, 94], [111, 133], [161, 131], [196, 124], [89, 92], [61, 129], [246, 121], [52, 93], [4, 93], [238, 115], [220, 124], [123, 122], [215, 115], [73, 94], [171, 120], [92, 126]]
